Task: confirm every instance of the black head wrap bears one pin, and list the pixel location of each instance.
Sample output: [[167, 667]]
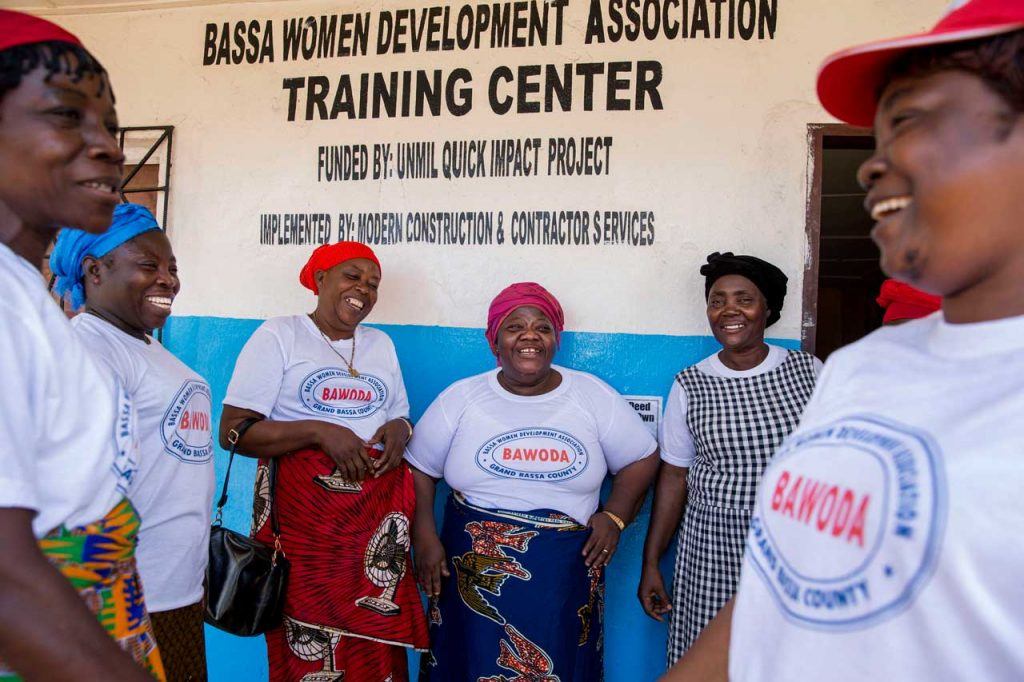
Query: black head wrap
[[768, 278]]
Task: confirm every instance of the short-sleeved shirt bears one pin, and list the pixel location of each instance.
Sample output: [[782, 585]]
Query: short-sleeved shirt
[[677, 445], [288, 371], [173, 489], [67, 431], [886, 538], [520, 453]]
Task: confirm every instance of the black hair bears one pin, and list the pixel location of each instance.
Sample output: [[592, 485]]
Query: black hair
[[997, 60], [56, 57]]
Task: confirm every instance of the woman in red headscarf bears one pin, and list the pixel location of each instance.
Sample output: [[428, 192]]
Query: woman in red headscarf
[[517, 576], [324, 401]]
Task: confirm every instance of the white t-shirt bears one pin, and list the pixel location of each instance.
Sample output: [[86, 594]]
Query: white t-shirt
[[173, 489], [287, 372], [887, 539], [552, 451], [677, 446], [67, 428]]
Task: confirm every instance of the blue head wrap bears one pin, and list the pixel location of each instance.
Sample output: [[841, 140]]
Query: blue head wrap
[[73, 245]]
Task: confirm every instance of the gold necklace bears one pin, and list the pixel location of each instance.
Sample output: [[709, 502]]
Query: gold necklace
[[352, 356]]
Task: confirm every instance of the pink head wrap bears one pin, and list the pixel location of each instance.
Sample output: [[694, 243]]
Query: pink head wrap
[[518, 295]]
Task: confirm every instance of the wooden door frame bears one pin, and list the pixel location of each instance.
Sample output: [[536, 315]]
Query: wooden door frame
[[816, 134]]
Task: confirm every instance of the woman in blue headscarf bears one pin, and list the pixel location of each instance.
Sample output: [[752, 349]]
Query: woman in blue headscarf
[[127, 279]]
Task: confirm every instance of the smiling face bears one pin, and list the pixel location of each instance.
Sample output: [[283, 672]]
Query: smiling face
[[944, 186], [60, 164], [737, 312], [348, 292], [135, 285], [526, 345]]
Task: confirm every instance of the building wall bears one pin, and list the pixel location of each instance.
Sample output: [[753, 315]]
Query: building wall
[[721, 165]]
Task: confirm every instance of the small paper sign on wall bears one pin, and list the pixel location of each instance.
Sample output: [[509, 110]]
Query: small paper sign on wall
[[649, 409]]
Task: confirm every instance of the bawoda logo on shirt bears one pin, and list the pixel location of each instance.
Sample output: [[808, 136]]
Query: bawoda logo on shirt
[[533, 454], [848, 522], [333, 392], [186, 429]]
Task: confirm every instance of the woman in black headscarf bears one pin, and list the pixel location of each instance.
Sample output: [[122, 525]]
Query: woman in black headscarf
[[726, 416]]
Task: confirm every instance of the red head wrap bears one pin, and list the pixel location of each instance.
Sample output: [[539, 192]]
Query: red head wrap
[[904, 302], [327, 256], [518, 295], [17, 28]]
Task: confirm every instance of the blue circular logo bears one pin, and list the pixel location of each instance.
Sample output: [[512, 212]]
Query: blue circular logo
[[333, 392], [533, 454], [186, 429], [848, 522]]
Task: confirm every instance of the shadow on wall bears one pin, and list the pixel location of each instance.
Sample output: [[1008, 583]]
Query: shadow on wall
[[431, 359]]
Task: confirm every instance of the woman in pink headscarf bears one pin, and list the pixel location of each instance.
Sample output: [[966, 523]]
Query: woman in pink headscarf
[[516, 577]]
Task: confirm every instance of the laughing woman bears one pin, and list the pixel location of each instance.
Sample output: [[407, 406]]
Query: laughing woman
[[725, 417], [127, 279], [517, 577], [327, 409], [66, 529]]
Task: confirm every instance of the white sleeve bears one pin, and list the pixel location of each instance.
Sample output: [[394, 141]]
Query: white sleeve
[[398, 400], [625, 439], [677, 447], [432, 439], [259, 371], [825, 376], [22, 404]]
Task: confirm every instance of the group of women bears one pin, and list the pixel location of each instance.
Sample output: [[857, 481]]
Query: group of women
[[515, 577], [106, 437]]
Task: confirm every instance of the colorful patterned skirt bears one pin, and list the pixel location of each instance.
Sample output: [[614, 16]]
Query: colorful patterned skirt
[[519, 604], [99, 561], [351, 604]]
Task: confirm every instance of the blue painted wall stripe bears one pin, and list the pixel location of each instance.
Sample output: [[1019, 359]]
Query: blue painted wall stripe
[[431, 359]]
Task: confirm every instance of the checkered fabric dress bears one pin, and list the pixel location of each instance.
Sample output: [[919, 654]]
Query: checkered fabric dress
[[737, 424]]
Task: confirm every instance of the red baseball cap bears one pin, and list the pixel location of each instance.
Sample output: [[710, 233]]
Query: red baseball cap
[[18, 28], [849, 81]]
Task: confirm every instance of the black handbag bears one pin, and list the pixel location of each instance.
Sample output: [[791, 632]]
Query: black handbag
[[245, 579]]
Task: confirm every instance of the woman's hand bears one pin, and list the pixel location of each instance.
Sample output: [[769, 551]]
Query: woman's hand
[[651, 593], [431, 562], [603, 540], [393, 435], [346, 449]]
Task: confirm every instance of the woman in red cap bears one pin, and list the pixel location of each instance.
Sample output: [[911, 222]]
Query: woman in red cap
[[517, 578], [67, 453], [320, 399], [885, 544]]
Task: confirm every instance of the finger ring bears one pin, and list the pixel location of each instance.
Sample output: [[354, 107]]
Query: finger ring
[[604, 551]]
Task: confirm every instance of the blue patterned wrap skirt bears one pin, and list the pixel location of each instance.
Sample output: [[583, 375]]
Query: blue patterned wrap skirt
[[520, 604]]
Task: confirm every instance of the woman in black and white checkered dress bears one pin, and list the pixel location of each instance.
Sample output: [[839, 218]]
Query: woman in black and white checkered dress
[[725, 418]]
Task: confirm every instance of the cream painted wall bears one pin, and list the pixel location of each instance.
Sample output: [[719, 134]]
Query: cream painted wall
[[723, 165]]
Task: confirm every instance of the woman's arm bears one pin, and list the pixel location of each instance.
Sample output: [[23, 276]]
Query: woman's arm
[[629, 487], [669, 503], [429, 554], [708, 659], [267, 438]]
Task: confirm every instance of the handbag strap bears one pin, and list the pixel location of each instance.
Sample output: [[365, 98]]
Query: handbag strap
[[234, 436]]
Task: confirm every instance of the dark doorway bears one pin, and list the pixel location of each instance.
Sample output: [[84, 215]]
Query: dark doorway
[[842, 278]]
